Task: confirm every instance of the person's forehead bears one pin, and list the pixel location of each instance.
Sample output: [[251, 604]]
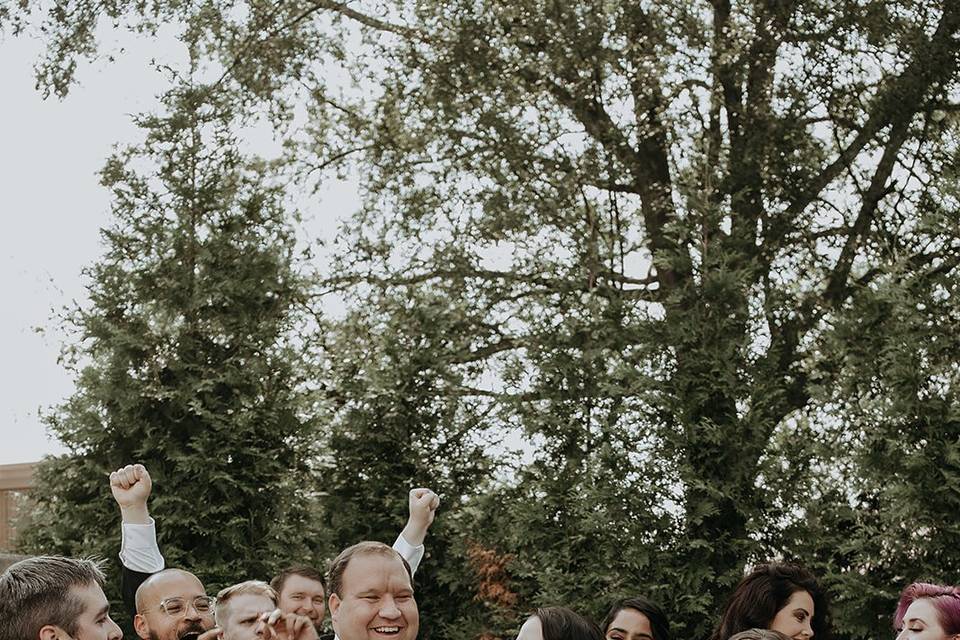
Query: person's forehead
[[800, 599], [175, 584], [92, 597], [920, 609], [296, 582], [246, 604], [631, 620], [375, 571]]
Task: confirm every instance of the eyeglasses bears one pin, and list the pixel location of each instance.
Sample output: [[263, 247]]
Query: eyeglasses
[[178, 606]]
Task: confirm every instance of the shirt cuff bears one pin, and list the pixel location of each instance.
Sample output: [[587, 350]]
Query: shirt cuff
[[138, 548], [412, 554]]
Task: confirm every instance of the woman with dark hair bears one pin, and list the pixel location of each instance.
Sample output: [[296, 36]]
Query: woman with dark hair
[[558, 623], [636, 618], [777, 596], [928, 612]]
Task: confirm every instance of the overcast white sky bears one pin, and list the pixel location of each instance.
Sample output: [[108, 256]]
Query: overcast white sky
[[52, 208]]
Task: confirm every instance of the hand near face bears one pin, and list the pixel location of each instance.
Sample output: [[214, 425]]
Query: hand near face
[[213, 634], [285, 626]]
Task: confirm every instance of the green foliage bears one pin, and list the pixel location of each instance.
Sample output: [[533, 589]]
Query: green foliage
[[187, 361], [394, 430], [699, 257]]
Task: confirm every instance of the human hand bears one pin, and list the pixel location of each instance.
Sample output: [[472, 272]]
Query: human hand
[[423, 509], [212, 634], [131, 487], [284, 626]]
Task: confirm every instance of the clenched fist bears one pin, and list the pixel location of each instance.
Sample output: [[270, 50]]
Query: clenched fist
[[423, 508], [131, 488]]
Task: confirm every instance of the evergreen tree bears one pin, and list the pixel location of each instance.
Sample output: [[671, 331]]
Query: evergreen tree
[[188, 360]]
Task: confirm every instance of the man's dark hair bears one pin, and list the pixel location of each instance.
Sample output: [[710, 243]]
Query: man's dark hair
[[659, 624], [560, 623], [297, 570], [38, 591], [366, 548], [765, 591]]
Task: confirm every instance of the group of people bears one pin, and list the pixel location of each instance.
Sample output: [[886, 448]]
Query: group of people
[[368, 589], [369, 592], [775, 601]]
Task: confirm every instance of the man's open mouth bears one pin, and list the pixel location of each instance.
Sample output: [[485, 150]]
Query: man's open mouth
[[190, 635], [390, 631]]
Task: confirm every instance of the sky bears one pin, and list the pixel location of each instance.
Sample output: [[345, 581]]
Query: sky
[[52, 208]]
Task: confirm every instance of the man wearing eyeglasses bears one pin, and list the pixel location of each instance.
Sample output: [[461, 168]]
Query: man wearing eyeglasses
[[173, 605]]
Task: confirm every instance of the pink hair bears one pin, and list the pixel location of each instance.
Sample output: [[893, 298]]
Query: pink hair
[[945, 599]]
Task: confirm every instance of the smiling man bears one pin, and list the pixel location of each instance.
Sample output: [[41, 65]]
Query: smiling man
[[173, 605], [55, 598], [302, 590], [371, 594]]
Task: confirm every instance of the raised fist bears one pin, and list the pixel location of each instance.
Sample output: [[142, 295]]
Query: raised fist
[[423, 507], [131, 486]]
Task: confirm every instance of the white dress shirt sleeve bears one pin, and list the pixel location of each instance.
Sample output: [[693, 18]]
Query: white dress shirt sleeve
[[412, 554], [138, 548]]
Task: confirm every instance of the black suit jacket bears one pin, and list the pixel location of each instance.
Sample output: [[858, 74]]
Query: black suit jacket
[[130, 581]]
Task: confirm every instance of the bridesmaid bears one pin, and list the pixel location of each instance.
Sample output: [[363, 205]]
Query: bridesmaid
[[558, 623], [780, 597], [636, 618], [928, 612]]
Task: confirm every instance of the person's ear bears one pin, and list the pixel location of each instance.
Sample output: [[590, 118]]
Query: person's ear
[[334, 605], [141, 627], [52, 632]]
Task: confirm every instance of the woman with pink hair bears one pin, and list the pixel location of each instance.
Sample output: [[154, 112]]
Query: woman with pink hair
[[928, 612]]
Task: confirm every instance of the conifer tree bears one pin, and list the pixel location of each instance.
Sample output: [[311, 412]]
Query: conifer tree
[[188, 359]]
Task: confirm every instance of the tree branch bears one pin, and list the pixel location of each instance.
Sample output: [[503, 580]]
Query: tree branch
[[933, 61]]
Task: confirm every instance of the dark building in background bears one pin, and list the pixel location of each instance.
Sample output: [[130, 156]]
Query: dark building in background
[[15, 481]]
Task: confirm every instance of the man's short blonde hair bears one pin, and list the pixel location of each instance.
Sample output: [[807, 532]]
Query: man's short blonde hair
[[253, 587]]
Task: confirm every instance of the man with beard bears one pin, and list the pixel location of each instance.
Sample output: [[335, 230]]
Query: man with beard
[[371, 594], [55, 598], [173, 605]]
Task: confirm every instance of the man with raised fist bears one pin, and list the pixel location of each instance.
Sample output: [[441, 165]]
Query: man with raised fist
[[302, 589], [371, 594], [171, 604]]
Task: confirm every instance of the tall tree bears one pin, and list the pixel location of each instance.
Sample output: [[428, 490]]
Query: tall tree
[[187, 359], [660, 218], [689, 195]]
